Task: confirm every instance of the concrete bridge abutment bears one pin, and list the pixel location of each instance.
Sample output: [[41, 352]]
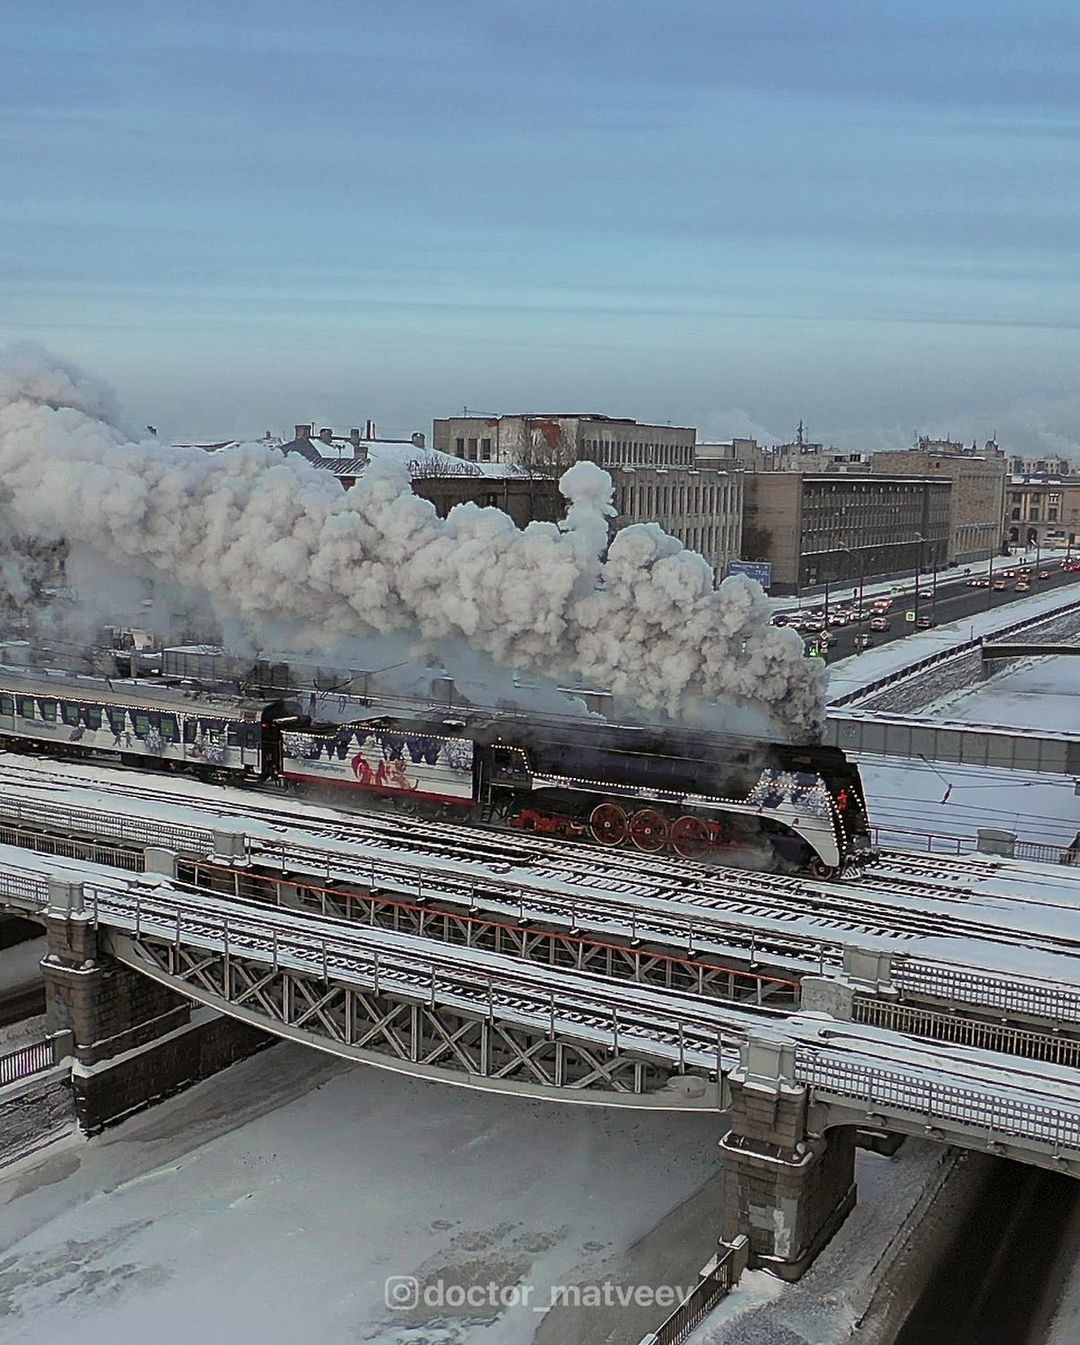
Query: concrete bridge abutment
[[786, 1190], [134, 1041]]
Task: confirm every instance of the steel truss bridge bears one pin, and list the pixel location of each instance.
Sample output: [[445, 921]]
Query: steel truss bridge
[[467, 1015], [738, 936]]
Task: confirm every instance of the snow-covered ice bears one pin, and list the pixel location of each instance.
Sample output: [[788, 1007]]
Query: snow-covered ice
[[20, 965], [272, 1202], [1042, 693]]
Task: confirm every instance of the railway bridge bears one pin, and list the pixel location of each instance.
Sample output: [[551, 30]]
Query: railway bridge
[[815, 1039]]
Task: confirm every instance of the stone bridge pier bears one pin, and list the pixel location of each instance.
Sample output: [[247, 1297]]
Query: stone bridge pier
[[785, 1189], [135, 1041]]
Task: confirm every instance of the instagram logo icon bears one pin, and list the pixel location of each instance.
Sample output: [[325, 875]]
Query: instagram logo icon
[[401, 1292]]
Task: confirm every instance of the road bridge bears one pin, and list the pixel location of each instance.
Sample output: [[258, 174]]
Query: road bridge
[[998, 649], [794, 1084], [886, 714]]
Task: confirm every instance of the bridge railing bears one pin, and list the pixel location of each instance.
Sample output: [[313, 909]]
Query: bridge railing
[[28, 890], [932, 1099], [36, 1057], [1028, 996], [717, 1280], [946, 843], [97, 823], [620, 1016]]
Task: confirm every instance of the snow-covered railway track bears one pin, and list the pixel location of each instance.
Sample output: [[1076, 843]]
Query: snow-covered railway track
[[795, 919]]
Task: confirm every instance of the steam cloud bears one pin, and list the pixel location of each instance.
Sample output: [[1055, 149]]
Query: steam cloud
[[271, 537]]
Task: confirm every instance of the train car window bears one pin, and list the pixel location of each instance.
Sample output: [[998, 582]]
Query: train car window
[[48, 710], [233, 736], [26, 707], [168, 728], [117, 719], [189, 729], [69, 713], [7, 705], [92, 716], [142, 724]]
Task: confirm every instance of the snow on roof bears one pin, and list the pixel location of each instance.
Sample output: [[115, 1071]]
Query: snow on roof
[[421, 462]]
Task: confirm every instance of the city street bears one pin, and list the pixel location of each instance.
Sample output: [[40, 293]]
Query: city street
[[953, 601]]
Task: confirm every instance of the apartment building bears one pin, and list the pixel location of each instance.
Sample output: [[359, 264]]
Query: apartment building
[[1042, 510], [553, 439], [840, 527], [977, 500], [652, 468], [445, 481]]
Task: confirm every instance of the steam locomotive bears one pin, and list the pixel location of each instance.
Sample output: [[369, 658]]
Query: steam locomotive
[[691, 793]]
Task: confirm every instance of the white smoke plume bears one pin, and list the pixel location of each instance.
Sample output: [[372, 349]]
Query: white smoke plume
[[272, 537]]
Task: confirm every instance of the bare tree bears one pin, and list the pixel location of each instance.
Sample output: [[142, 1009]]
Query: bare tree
[[756, 542], [429, 467]]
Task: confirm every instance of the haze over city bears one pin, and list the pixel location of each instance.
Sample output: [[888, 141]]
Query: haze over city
[[726, 216]]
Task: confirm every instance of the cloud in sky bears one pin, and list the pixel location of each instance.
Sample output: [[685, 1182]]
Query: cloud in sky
[[252, 214]]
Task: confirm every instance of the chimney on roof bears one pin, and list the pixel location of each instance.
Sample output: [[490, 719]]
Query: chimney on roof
[[354, 438], [370, 430], [418, 439], [326, 434], [301, 431]]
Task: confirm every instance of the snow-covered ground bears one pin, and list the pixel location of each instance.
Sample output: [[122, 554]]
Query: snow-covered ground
[[1042, 693], [910, 801], [272, 1203]]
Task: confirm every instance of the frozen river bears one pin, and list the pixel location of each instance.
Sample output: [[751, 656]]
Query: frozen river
[[272, 1202]]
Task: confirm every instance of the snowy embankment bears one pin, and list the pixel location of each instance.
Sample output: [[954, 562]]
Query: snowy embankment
[[1039, 693], [858, 670], [862, 1284]]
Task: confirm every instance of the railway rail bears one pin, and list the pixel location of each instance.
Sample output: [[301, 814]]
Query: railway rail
[[553, 878], [1019, 1105]]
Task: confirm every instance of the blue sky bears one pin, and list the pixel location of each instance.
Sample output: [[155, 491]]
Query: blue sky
[[719, 214]]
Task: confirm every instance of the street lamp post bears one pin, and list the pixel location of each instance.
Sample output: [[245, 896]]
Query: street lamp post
[[862, 577], [918, 575]]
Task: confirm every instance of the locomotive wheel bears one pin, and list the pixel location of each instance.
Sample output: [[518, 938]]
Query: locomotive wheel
[[820, 869], [689, 836], [608, 824], [649, 830]]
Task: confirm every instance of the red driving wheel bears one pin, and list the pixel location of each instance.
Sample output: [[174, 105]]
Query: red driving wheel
[[689, 836], [649, 830], [608, 824]]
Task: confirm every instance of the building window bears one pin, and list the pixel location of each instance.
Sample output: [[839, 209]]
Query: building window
[[485, 450], [472, 450], [1016, 513], [1051, 515], [459, 447]]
